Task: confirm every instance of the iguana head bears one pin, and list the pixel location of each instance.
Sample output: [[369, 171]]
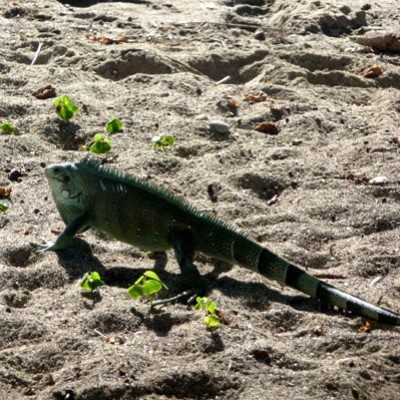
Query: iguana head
[[62, 179], [66, 190]]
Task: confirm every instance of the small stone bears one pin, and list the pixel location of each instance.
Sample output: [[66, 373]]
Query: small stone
[[378, 180], [14, 175], [259, 34], [219, 126]]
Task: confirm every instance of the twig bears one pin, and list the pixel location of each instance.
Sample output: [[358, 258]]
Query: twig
[[232, 25], [37, 53], [186, 293], [100, 334], [375, 281], [224, 80]]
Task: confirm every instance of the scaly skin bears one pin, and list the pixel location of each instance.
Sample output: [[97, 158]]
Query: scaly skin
[[88, 195]]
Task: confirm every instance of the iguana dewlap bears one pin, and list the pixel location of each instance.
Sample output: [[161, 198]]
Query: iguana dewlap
[[88, 195]]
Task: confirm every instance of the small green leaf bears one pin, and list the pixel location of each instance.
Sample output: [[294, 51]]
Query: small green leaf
[[141, 279], [135, 291], [7, 128], [114, 125], [162, 142], [65, 108], [3, 207], [211, 307], [150, 287], [200, 303], [101, 144], [147, 285], [152, 275], [90, 282], [98, 137], [212, 321]]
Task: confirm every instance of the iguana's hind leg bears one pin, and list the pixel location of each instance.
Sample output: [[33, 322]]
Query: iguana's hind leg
[[184, 252]]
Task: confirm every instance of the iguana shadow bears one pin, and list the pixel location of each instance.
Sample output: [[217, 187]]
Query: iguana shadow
[[79, 259]]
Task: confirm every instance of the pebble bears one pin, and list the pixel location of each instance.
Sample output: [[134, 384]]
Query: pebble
[[259, 34], [219, 126], [14, 175], [378, 180]]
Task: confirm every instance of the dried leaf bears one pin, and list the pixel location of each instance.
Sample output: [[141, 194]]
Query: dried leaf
[[233, 104], [367, 327], [372, 72], [381, 42], [319, 331], [267, 127], [106, 39], [5, 191], [222, 317], [45, 92], [255, 97]]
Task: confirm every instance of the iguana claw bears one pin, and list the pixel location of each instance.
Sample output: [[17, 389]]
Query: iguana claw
[[41, 248]]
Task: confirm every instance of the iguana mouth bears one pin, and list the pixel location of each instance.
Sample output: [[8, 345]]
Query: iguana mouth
[[76, 195]]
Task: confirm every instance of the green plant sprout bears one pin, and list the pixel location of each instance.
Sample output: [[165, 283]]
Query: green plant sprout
[[147, 286], [211, 319], [65, 108], [101, 144], [91, 282], [3, 207], [114, 125], [162, 142], [7, 128]]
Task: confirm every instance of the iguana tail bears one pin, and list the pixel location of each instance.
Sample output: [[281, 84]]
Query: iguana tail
[[233, 247], [328, 294]]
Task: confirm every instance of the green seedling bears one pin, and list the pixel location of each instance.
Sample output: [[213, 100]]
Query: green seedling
[[7, 128], [101, 144], [114, 125], [91, 282], [211, 319], [147, 286], [65, 108], [3, 207], [162, 142]]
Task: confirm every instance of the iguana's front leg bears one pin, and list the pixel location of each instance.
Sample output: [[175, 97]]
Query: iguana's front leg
[[65, 239]]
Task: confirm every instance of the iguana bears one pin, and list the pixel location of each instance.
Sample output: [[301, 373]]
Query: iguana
[[90, 195]]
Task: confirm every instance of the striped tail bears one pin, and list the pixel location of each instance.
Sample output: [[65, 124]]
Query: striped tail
[[221, 241], [274, 267]]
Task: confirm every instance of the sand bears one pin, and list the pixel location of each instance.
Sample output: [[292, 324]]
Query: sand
[[319, 185]]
